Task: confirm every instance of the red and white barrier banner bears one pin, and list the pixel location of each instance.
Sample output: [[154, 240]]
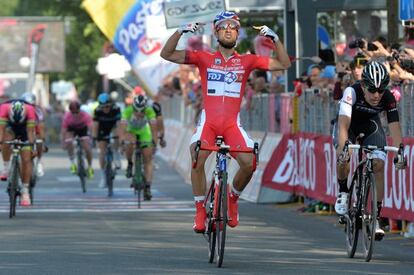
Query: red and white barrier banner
[[305, 164]]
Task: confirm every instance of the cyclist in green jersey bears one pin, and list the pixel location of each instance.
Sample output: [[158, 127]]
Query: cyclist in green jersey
[[138, 122]]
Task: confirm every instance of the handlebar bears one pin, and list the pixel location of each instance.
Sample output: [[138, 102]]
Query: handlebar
[[17, 143], [223, 148]]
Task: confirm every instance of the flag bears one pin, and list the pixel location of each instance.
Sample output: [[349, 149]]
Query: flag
[[128, 24]]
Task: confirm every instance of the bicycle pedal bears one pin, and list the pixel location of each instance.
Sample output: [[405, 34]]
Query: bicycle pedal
[[342, 220]]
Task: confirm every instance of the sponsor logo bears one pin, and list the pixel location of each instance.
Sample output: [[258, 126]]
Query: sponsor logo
[[236, 61], [214, 76], [217, 61], [349, 99], [211, 91], [230, 77]]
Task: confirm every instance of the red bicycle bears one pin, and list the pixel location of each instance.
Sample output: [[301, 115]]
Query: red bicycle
[[216, 199]]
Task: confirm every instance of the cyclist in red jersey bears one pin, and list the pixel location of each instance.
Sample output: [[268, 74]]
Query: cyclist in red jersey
[[223, 77]]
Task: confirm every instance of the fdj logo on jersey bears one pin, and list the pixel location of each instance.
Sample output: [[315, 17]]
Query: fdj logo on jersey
[[230, 77], [214, 76]]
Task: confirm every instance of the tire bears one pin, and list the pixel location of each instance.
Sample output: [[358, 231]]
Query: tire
[[221, 221], [138, 179], [369, 214], [82, 172], [13, 188], [352, 219], [211, 233], [33, 181]]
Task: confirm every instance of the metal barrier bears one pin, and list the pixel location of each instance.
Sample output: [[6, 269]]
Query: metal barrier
[[316, 112], [313, 113], [267, 113]]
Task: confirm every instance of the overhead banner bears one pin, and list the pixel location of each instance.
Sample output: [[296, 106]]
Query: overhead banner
[[185, 11], [305, 164], [124, 23]]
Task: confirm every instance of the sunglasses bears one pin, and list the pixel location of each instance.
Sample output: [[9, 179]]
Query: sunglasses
[[224, 25], [373, 91]]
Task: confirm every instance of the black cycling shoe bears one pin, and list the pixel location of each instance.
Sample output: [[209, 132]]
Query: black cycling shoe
[[147, 193], [128, 173]]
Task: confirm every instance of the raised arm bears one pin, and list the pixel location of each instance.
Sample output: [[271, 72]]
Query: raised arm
[[281, 61], [169, 51]]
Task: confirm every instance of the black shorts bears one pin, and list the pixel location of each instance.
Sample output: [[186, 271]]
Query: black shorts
[[82, 132], [19, 132], [104, 132]]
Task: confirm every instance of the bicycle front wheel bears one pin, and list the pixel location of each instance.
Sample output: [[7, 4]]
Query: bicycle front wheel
[[33, 181], [82, 173], [221, 221], [369, 216], [211, 233], [109, 178], [13, 188], [353, 221]]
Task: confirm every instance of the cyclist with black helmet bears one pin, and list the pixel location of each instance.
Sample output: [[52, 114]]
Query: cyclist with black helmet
[[359, 112], [139, 123], [158, 113], [224, 74], [105, 119], [77, 123], [17, 121]]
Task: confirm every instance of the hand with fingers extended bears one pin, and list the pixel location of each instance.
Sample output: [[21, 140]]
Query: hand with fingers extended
[[400, 161], [190, 27], [266, 31]]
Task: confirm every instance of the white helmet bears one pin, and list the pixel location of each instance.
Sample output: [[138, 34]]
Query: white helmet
[[29, 97]]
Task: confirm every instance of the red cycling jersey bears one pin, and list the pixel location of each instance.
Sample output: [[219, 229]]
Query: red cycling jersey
[[223, 85]]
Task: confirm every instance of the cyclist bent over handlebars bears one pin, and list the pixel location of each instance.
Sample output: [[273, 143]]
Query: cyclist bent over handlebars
[[359, 112], [17, 121], [138, 122]]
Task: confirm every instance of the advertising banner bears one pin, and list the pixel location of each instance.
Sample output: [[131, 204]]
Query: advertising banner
[[182, 12], [124, 23], [305, 164]]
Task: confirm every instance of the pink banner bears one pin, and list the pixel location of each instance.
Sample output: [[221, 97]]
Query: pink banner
[[305, 164]]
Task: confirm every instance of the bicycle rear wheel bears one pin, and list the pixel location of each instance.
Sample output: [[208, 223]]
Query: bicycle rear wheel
[[369, 216], [353, 222], [211, 233], [221, 220]]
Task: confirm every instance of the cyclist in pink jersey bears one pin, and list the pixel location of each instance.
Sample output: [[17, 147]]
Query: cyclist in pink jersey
[[77, 123], [17, 121], [223, 77]]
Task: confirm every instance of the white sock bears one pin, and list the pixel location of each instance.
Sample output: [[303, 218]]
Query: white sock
[[235, 191], [25, 186], [6, 165], [199, 198]]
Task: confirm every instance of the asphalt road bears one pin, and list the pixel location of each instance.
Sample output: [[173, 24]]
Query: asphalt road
[[67, 232]]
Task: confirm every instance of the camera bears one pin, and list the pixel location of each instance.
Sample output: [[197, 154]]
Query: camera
[[359, 43], [407, 64], [316, 91]]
